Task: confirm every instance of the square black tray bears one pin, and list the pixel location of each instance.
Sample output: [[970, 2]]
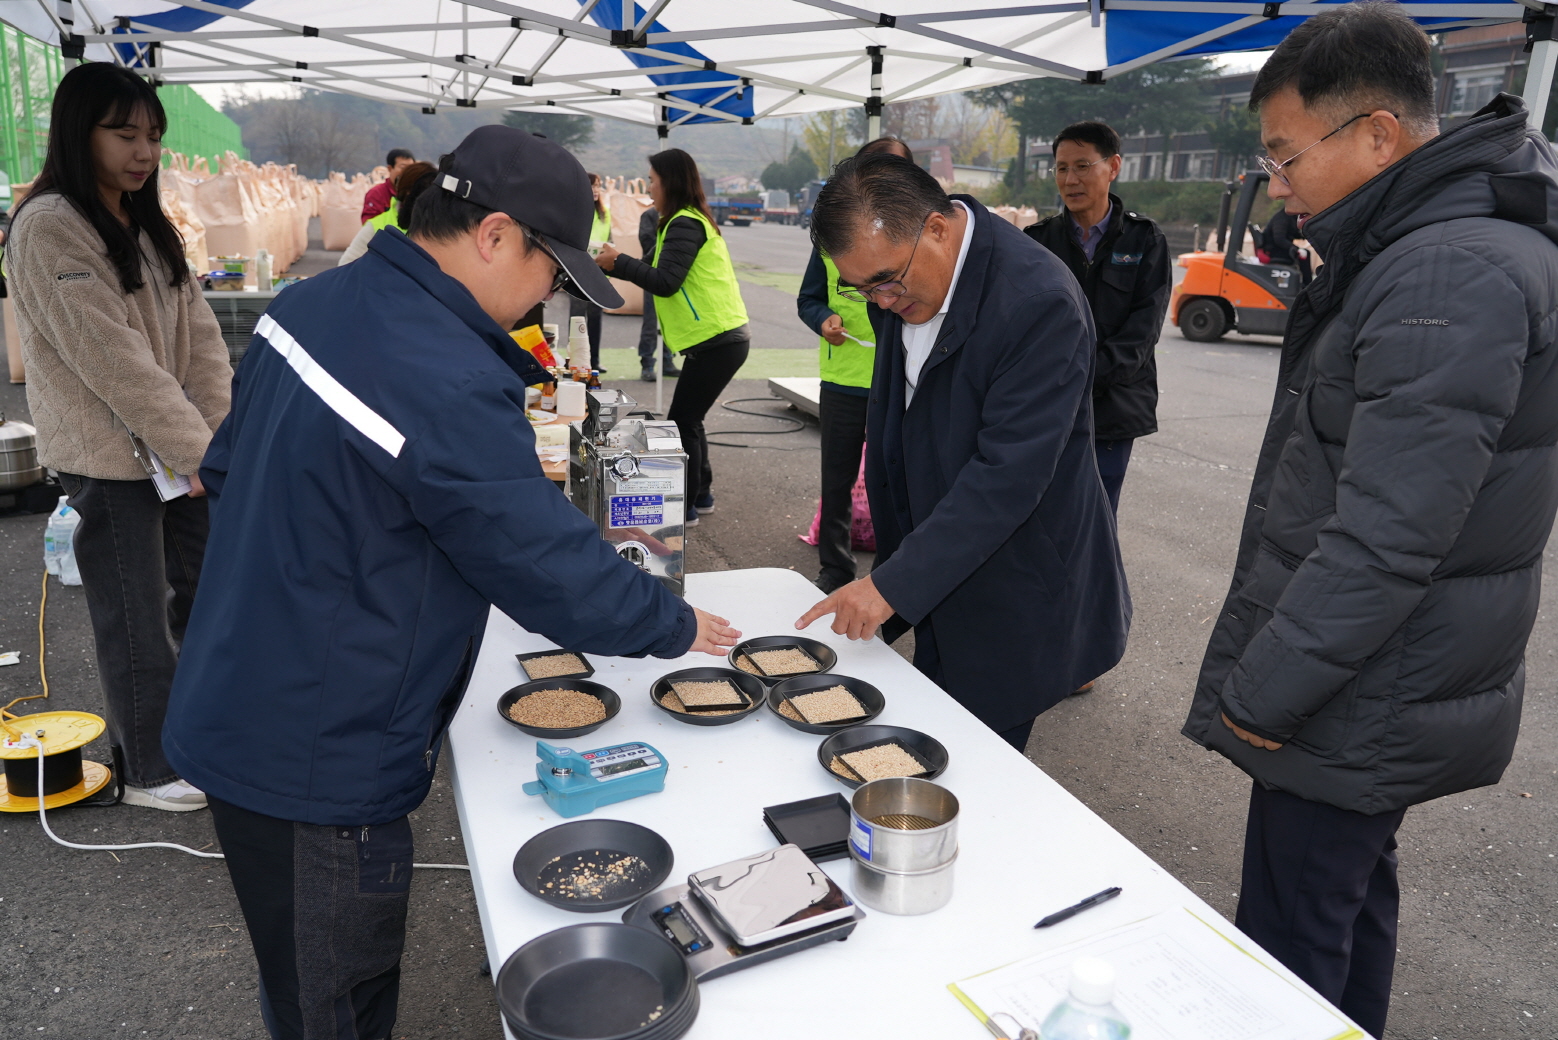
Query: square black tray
[[820, 826]]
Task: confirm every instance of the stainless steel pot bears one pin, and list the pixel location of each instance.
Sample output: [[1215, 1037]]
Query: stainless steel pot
[[903, 824], [902, 892], [18, 456]]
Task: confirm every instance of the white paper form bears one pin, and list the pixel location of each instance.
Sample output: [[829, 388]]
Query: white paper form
[[1178, 979]]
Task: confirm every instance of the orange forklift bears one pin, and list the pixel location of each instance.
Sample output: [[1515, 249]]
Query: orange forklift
[[1227, 291]]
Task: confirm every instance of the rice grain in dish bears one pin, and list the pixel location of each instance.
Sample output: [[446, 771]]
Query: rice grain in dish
[[788, 711], [835, 704], [553, 665], [557, 709], [839, 766], [594, 874], [788, 661], [713, 694], [672, 701], [745, 664], [882, 762]]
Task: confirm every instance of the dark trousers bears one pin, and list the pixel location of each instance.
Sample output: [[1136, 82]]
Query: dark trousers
[[1319, 894], [592, 320], [927, 658], [705, 374], [648, 334], [843, 419], [139, 559], [326, 910], [1113, 457]]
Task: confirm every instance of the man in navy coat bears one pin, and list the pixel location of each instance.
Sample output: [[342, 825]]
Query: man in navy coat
[[995, 539]]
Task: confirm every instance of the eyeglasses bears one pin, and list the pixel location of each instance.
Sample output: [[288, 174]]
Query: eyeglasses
[[1275, 168], [1080, 169], [890, 289], [560, 279]]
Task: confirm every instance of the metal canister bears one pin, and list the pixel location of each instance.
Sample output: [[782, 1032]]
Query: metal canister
[[902, 892], [903, 824], [18, 456]]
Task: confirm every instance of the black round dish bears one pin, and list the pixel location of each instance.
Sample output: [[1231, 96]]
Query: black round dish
[[928, 748], [822, 653], [583, 836], [597, 981], [750, 685], [869, 696], [601, 693]]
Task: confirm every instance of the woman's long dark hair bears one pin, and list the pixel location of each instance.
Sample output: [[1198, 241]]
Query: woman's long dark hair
[[682, 186], [600, 203], [414, 180], [103, 94]]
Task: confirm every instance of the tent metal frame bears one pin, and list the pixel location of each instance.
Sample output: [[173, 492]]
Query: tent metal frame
[[236, 52]]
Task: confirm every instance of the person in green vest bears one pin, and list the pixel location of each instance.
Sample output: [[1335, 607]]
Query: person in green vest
[[600, 235], [702, 317], [412, 180], [847, 351]]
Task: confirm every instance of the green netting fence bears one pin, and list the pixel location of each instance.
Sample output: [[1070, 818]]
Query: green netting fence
[[29, 72]]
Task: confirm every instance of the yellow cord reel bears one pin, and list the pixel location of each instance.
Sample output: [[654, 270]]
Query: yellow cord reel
[[67, 778]]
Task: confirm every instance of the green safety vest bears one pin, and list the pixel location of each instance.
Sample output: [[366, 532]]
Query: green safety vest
[[387, 218], [709, 301], [848, 364], [600, 228]]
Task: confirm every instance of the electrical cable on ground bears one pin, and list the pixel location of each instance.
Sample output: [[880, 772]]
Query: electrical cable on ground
[[800, 424], [32, 741]]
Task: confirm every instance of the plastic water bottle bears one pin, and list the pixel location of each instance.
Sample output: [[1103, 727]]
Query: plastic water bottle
[[1088, 1012], [59, 550]]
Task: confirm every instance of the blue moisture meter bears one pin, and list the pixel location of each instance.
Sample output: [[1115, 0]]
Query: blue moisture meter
[[579, 782]]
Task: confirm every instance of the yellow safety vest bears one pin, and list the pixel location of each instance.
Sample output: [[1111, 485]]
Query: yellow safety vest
[[849, 363], [709, 301], [600, 228], [387, 218]]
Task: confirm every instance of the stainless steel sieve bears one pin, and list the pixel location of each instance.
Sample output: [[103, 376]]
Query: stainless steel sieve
[[903, 824]]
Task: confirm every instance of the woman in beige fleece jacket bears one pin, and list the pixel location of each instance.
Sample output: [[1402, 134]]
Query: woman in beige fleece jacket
[[117, 338]]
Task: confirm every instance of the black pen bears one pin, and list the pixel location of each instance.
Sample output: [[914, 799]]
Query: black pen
[[1086, 904]]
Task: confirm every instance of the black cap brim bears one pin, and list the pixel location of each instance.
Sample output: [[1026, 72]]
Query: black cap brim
[[585, 274]]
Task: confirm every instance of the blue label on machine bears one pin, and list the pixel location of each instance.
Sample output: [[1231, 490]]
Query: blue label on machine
[[860, 837], [637, 510]]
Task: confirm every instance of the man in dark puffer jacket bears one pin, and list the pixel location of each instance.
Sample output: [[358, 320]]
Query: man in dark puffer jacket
[[1370, 655]]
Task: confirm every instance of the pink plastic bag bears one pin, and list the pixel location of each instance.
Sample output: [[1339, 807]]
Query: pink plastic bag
[[862, 535]]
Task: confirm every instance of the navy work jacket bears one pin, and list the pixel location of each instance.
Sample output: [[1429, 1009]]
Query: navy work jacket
[[374, 488], [994, 537]]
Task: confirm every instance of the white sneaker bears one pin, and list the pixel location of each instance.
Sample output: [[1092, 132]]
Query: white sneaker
[[174, 796]]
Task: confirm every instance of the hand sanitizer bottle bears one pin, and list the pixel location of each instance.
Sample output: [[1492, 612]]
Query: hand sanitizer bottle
[[1088, 1012]]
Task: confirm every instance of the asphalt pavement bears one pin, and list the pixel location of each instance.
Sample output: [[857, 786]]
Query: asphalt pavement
[[150, 943]]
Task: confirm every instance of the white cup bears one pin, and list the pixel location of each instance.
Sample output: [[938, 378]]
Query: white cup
[[570, 398]]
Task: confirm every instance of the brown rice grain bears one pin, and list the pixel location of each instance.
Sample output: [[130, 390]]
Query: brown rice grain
[[553, 665], [882, 762], [788, 661], [835, 704], [557, 709]]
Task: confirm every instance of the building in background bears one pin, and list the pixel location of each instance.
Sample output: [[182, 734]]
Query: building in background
[[1477, 64]]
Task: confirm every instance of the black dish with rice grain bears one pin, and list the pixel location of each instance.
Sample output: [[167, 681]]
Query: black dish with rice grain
[[820, 652], [605, 695], [750, 686], [869, 696], [921, 745]]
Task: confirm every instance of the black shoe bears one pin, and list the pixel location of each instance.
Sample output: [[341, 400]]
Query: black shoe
[[599, 369], [647, 375], [671, 371], [831, 583]]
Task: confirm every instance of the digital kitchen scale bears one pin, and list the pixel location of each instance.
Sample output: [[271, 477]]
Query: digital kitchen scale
[[578, 782], [748, 911]]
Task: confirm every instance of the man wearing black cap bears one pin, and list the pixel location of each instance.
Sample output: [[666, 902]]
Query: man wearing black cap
[[374, 488]]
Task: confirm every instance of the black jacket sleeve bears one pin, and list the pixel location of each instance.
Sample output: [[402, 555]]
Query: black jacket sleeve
[[683, 238], [812, 302], [1122, 354]]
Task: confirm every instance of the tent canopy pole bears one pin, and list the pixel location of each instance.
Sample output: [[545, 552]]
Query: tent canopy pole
[[1539, 70], [874, 102]]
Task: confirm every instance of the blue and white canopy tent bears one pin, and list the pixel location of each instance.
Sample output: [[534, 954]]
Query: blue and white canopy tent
[[688, 61]]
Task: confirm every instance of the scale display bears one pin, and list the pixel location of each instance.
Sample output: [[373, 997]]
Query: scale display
[[578, 782]]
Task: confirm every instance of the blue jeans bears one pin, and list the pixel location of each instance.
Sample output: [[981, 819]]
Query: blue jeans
[[140, 560], [1113, 457]]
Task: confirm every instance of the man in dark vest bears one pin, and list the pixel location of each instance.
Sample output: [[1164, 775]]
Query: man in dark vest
[[1122, 261]]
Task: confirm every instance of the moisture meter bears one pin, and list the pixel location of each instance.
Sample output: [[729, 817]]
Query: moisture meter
[[578, 782]]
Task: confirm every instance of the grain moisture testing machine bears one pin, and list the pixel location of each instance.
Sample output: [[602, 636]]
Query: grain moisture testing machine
[[628, 474]]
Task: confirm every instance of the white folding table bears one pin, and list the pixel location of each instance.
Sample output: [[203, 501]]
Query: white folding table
[[1028, 846]]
